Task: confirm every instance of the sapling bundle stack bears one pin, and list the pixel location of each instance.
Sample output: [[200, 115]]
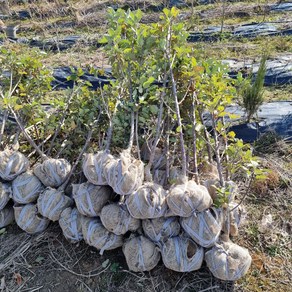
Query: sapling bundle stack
[[228, 261], [141, 254], [96, 235], [182, 254], [52, 172], [12, 164], [125, 174], [117, 219], [6, 216], [5, 194], [94, 165], [71, 225], [203, 227], [26, 188], [28, 218], [90, 199], [52, 202], [159, 230], [186, 199], [148, 202]]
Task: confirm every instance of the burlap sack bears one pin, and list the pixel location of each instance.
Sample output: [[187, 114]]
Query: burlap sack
[[228, 261], [182, 254], [203, 227], [160, 229], [52, 202], [70, 223], [213, 184], [90, 199], [117, 219], [26, 188], [28, 219], [236, 217], [126, 174], [5, 194], [148, 202], [52, 172], [95, 234], [185, 199], [12, 164], [94, 165], [6, 216], [141, 254]]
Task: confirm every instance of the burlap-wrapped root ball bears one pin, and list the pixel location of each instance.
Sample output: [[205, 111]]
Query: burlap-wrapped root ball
[[96, 235], [6, 216], [52, 202], [185, 199], [52, 172], [182, 254], [160, 229], [117, 219], [228, 261], [28, 219], [26, 188], [236, 217], [5, 194], [90, 199], [94, 165], [12, 164], [203, 227], [71, 224], [213, 184], [125, 174], [148, 202], [141, 254]]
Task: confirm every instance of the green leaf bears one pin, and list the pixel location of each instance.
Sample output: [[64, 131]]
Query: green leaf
[[2, 231], [178, 129], [153, 108]]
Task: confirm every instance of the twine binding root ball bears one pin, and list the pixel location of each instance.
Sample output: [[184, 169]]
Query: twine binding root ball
[[117, 219], [203, 227], [148, 202], [90, 198], [5, 194], [94, 165], [71, 225], [141, 254], [12, 163], [28, 219], [26, 188], [160, 229], [228, 261], [96, 235], [52, 202], [6, 216], [187, 198], [52, 172], [182, 254], [125, 174]]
